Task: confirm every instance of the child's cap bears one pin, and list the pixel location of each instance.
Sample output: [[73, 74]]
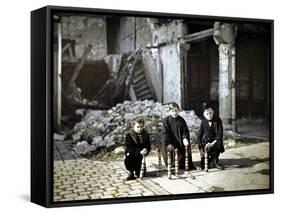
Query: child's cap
[[206, 106]]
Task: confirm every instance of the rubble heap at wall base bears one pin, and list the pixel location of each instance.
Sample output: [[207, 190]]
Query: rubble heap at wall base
[[107, 129]]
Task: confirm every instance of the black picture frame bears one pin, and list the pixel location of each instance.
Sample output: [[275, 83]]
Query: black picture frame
[[42, 103]]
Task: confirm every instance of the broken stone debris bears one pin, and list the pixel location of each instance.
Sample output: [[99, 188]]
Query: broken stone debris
[[107, 129]]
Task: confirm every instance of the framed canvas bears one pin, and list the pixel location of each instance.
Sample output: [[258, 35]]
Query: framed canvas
[[132, 106]]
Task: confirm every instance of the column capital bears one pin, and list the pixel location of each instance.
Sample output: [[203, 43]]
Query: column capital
[[224, 33], [185, 45]]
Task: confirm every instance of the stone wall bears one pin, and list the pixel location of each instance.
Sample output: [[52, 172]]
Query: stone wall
[[85, 29], [171, 74]]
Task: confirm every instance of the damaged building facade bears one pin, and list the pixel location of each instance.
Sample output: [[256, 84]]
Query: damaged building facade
[[100, 61]]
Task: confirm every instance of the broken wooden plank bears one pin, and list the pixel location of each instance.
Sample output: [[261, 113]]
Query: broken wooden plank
[[196, 37], [129, 80], [106, 86], [78, 68]]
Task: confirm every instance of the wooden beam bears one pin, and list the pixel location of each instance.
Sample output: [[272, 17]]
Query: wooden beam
[[196, 37], [78, 68]]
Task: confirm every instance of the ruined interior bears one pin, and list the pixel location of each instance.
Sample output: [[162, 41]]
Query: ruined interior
[[111, 69], [179, 61]]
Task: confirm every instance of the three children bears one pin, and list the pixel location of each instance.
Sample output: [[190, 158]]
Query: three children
[[175, 136]]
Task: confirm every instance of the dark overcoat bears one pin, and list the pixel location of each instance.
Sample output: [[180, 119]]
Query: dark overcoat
[[134, 143], [174, 131], [208, 134]]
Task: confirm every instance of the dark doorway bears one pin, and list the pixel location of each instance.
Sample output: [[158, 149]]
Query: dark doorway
[[200, 75], [252, 51]]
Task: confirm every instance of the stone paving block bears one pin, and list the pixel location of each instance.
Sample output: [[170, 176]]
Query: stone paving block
[[125, 194], [64, 186], [71, 179], [135, 195], [111, 192], [123, 186], [79, 190], [92, 188], [111, 188], [80, 186], [58, 174], [82, 197], [124, 190], [130, 182], [57, 198], [96, 195], [73, 195], [84, 193], [105, 186], [56, 190], [81, 180], [97, 191], [66, 192], [84, 177], [148, 193], [67, 173], [56, 184], [117, 184], [136, 186], [70, 188], [67, 182], [89, 183], [65, 177], [107, 196], [95, 185], [103, 180], [67, 199]]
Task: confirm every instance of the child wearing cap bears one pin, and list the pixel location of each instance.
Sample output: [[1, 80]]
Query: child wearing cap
[[210, 137]]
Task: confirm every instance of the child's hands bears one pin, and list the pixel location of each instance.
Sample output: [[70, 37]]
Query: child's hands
[[208, 147], [213, 143], [185, 142], [144, 152], [170, 148]]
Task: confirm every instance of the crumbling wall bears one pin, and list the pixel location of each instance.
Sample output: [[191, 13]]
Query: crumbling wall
[[167, 32], [162, 58], [171, 74], [127, 34], [143, 32], [85, 29]]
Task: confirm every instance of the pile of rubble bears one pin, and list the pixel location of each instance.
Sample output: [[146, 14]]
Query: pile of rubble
[[100, 129]]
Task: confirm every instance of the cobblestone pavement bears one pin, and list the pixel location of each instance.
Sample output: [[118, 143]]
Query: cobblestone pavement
[[83, 179]]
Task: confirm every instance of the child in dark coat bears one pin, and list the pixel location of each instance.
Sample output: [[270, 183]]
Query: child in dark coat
[[210, 137], [137, 146], [176, 136]]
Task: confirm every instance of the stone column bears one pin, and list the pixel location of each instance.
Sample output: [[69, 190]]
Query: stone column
[[184, 48], [224, 86], [224, 36], [233, 89]]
